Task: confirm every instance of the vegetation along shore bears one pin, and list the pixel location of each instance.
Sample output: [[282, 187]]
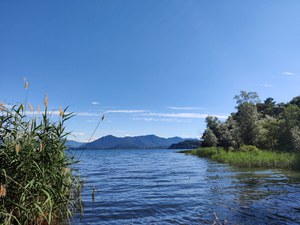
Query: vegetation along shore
[[241, 140], [37, 180], [250, 159]]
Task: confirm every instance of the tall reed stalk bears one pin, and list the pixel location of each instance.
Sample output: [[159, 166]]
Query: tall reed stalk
[[37, 183]]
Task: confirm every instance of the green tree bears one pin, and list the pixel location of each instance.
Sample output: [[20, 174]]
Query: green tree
[[295, 101], [267, 107], [295, 132], [247, 97], [209, 138], [269, 133], [247, 120], [213, 123], [290, 124], [226, 138]]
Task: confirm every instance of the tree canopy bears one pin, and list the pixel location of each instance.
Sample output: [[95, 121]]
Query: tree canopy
[[266, 125]]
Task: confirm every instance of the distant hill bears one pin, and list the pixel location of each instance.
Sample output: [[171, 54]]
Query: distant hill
[[73, 144], [187, 144], [138, 142]]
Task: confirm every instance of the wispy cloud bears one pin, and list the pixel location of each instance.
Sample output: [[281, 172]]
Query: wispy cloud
[[185, 115], [126, 111], [88, 114], [8, 106], [150, 119], [57, 113], [78, 133], [95, 103], [288, 73], [266, 85], [38, 113], [184, 108]]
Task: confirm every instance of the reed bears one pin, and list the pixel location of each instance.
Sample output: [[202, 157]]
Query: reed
[[251, 159], [37, 181]]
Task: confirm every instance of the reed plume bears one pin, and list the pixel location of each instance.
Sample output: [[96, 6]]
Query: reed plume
[[18, 148], [26, 85], [46, 101], [61, 112], [2, 191]]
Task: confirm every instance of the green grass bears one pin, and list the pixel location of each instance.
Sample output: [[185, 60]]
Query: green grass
[[258, 159]]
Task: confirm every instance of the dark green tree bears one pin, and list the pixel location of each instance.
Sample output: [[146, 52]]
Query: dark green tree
[[290, 125], [247, 117], [247, 97], [295, 101], [267, 107], [213, 123], [209, 138]]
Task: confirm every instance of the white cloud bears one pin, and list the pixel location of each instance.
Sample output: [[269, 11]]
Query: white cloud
[[150, 119], [288, 73], [266, 85], [88, 114], [168, 117], [183, 108], [8, 106], [38, 113], [56, 113], [95, 103], [185, 115], [78, 133], [84, 140], [126, 111]]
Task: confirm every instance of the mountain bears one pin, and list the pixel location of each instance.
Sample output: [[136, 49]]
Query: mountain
[[138, 142], [187, 144], [73, 144]]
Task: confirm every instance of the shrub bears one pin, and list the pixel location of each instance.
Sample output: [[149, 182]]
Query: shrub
[[249, 148], [37, 185]]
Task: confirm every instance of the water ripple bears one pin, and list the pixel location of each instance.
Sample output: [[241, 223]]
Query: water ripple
[[164, 187]]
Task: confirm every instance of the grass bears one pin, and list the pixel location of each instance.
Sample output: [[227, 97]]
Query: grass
[[257, 159], [37, 185]]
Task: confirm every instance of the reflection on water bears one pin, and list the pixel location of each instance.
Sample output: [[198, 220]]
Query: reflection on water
[[164, 187]]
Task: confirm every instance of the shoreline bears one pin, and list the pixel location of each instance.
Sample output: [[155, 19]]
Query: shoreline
[[260, 159]]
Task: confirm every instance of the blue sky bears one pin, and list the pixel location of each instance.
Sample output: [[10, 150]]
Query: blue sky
[[152, 67]]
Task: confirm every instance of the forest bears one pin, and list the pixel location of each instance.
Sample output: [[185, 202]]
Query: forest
[[266, 125]]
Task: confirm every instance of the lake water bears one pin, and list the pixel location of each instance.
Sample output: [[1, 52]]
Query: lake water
[[165, 187]]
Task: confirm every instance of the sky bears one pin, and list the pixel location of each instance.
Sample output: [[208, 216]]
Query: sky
[[151, 67]]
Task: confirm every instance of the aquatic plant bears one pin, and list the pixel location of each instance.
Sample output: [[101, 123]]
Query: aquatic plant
[[251, 158], [37, 181]]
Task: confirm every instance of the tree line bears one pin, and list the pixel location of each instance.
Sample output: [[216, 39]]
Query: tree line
[[266, 125]]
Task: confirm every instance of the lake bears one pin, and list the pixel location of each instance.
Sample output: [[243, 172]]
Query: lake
[[165, 187]]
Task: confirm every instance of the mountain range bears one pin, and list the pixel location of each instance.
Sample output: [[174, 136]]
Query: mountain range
[[138, 142], [187, 144], [74, 144]]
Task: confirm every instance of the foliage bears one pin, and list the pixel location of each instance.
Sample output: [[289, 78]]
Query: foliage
[[36, 175], [261, 159], [249, 148], [247, 97], [266, 125], [210, 139], [247, 122]]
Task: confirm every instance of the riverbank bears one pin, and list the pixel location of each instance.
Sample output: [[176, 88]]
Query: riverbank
[[257, 159]]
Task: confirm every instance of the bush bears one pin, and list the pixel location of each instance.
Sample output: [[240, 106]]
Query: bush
[[249, 148], [37, 185]]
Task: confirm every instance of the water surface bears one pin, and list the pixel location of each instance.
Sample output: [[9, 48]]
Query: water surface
[[165, 187]]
